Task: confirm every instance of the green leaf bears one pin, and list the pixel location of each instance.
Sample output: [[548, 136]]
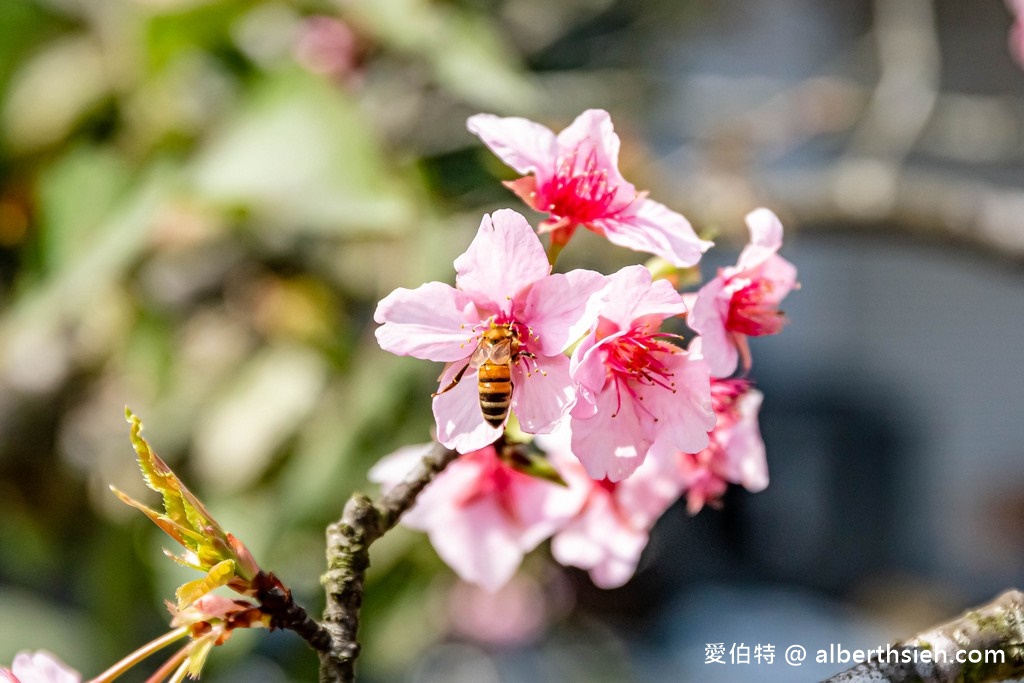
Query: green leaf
[[219, 575], [298, 155], [521, 459], [205, 26], [466, 51], [75, 195], [188, 522], [53, 91]]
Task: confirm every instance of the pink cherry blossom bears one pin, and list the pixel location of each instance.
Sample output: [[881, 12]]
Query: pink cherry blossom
[[503, 279], [574, 177], [38, 667], [1017, 30], [515, 614], [613, 525], [735, 454], [327, 46], [482, 516], [635, 386], [743, 300]]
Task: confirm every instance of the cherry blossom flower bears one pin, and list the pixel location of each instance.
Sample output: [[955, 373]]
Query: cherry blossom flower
[[482, 515], [38, 667], [574, 177], [608, 534], [1017, 30], [743, 300], [503, 279], [516, 614], [327, 46], [635, 386], [735, 454]]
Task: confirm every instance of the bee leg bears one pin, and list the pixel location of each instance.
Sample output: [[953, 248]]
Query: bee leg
[[455, 381], [526, 354]]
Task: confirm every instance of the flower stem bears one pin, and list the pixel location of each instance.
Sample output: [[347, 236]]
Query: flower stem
[[179, 660], [140, 654], [554, 249]]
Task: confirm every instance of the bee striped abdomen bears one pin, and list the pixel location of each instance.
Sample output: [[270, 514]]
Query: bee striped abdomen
[[495, 387]]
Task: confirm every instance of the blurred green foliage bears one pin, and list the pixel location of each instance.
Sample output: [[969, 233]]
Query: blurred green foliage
[[201, 202]]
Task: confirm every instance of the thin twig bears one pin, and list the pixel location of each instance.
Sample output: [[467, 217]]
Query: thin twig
[[990, 638], [363, 521]]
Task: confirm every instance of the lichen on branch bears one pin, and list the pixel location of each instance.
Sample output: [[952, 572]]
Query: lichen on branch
[[995, 631], [363, 521]]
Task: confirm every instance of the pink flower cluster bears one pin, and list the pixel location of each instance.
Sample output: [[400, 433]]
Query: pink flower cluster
[[629, 414]]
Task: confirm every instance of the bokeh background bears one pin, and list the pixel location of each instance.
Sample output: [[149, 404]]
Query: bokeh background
[[201, 202]]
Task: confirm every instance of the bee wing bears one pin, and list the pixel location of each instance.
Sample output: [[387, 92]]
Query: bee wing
[[498, 353]]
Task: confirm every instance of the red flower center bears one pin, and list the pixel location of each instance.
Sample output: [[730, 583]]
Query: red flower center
[[637, 358], [579, 191], [751, 312], [495, 480], [725, 397]]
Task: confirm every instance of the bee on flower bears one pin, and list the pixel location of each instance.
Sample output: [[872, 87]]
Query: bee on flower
[[507, 310]]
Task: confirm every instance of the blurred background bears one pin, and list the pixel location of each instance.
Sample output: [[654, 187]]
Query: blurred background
[[201, 202]]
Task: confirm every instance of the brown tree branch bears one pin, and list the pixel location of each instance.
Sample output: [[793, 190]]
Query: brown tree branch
[[995, 627], [363, 521], [276, 600]]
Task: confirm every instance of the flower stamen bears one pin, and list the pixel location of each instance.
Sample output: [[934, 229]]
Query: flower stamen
[[636, 358]]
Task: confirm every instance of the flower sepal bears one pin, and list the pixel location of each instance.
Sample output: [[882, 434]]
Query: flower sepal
[[529, 460]]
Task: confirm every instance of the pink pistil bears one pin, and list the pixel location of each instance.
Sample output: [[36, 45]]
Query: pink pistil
[[751, 311]]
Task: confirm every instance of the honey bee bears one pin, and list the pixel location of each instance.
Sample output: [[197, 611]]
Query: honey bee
[[499, 347]]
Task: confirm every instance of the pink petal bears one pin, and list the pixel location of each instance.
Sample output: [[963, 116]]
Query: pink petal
[[707, 318], [612, 447], [572, 546], [1016, 38], [42, 667], [432, 322], [562, 308], [592, 132], [587, 366], [782, 273], [460, 424], [390, 470], [542, 399], [747, 463], [526, 146], [505, 257], [601, 542], [686, 415], [765, 239], [655, 229], [457, 482], [542, 508], [632, 295], [617, 569], [478, 544], [649, 491]]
